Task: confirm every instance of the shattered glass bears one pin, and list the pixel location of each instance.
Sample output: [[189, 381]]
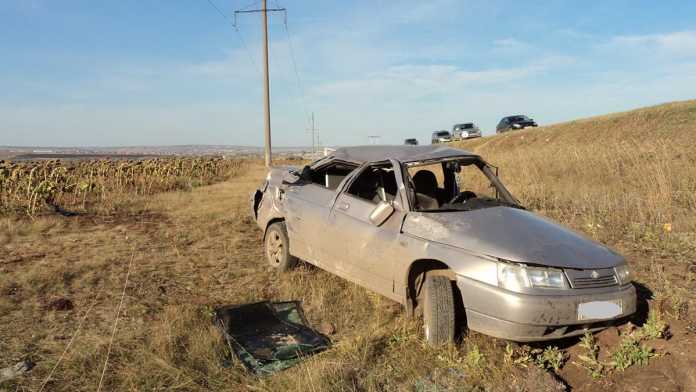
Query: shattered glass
[[269, 336]]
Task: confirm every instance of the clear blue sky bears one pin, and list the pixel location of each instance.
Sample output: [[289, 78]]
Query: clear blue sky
[[146, 72]]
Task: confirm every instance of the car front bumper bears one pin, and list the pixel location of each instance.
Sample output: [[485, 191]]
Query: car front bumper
[[472, 135], [524, 318]]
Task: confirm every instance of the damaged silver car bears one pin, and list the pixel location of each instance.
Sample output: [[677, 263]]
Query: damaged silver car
[[434, 228]]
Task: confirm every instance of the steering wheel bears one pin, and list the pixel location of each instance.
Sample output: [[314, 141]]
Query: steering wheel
[[462, 197]]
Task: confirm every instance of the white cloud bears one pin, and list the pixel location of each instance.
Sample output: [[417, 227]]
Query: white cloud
[[681, 42], [411, 81]]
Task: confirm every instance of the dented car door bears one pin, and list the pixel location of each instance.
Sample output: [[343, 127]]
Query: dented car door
[[307, 208], [367, 252]]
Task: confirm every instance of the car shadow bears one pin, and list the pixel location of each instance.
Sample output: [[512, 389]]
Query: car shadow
[[644, 295]]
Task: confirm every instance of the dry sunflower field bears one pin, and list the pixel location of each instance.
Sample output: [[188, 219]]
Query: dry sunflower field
[[28, 187], [119, 296]]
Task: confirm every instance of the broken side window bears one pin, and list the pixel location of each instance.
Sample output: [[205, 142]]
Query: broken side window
[[331, 176], [375, 184], [459, 184]]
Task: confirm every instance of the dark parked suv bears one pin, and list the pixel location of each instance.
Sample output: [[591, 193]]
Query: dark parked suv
[[511, 123]]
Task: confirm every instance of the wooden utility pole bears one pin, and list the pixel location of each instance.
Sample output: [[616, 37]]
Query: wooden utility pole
[[266, 83], [266, 88]]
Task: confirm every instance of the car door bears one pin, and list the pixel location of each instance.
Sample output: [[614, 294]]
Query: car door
[[307, 207], [366, 253]]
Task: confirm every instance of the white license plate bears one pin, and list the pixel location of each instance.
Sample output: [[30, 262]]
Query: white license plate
[[599, 310]]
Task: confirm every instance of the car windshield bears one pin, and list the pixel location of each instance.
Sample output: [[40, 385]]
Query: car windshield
[[463, 184], [519, 118], [466, 126], [443, 133]]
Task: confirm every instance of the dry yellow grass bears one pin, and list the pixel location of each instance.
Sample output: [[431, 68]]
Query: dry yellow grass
[[197, 249]]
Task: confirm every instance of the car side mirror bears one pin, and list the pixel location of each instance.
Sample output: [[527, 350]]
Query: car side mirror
[[381, 213]]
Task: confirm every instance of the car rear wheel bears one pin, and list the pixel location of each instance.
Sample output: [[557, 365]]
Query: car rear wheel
[[438, 310], [277, 247]]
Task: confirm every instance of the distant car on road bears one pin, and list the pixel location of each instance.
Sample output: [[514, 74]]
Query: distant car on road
[[465, 131], [411, 142], [441, 137], [515, 122]]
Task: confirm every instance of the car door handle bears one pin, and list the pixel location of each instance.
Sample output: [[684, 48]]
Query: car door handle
[[343, 206]]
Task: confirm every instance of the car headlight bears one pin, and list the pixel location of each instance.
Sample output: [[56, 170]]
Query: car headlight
[[623, 274], [515, 277]]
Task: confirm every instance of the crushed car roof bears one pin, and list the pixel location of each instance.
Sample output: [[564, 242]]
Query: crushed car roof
[[403, 153]]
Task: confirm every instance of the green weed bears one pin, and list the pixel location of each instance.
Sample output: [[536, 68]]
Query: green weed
[[590, 360], [629, 353], [551, 358], [654, 327], [474, 358]]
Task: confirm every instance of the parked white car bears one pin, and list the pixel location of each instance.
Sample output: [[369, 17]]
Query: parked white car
[[467, 130]]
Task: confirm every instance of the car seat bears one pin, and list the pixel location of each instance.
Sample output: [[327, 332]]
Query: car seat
[[425, 183]]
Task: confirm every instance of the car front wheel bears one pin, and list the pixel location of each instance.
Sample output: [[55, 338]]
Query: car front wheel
[[277, 247], [438, 310]]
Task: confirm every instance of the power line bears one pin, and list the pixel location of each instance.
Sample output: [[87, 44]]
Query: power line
[[218, 10], [236, 29], [300, 86]]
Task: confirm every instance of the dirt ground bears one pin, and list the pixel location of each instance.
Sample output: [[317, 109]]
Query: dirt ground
[[63, 281]]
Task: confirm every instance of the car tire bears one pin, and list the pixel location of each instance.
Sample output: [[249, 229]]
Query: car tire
[[277, 247], [438, 310]]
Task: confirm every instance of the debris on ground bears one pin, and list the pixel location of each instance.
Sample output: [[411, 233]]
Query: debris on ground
[[269, 336], [61, 304], [60, 210], [16, 370]]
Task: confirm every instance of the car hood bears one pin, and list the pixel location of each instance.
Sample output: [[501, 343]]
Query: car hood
[[511, 234]]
